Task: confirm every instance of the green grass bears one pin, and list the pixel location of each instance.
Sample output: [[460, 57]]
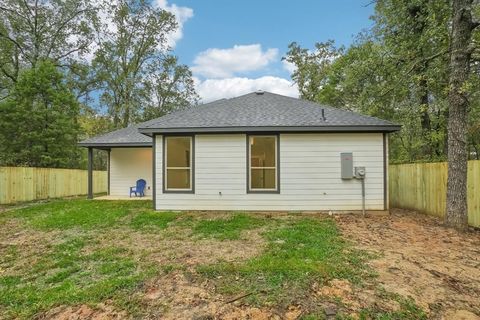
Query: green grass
[[229, 228], [297, 254], [153, 220], [85, 214], [68, 275]]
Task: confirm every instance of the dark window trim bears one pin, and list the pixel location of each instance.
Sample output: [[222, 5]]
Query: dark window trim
[[164, 164], [277, 191]]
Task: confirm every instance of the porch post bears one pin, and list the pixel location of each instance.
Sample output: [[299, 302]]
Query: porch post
[[108, 171], [154, 171], [90, 173]]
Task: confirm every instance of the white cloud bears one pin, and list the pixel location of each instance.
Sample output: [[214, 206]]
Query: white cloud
[[224, 63], [182, 14], [289, 66], [213, 89]]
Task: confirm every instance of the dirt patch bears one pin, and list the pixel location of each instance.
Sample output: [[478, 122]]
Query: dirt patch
[[343, 291], [180, 295], [419, 258], [176, 246], [21, 248], [84, 312]]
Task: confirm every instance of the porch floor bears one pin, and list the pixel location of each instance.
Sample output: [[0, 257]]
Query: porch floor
[[112, 197]]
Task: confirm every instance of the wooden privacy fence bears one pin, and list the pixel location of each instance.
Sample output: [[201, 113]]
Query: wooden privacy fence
[[26, 184], [423, 187]]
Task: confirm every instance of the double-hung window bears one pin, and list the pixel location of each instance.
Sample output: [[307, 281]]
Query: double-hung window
[[178, 164], [263, 163]]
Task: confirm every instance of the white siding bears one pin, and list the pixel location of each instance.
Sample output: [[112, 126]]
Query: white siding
[[309, 174], [127, 165]]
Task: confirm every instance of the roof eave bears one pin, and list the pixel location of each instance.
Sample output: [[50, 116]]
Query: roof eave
[[108, 145], [384, 128]]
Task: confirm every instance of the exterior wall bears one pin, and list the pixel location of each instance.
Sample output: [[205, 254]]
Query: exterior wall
[[309, 174], [127, 165]]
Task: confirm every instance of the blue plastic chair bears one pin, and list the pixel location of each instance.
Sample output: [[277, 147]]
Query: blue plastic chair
[[139, 189]]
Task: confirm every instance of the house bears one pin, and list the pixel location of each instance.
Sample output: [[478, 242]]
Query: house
[[259, 151]]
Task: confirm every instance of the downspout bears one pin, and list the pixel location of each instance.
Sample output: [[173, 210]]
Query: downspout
[[360, 174], [363, 197]]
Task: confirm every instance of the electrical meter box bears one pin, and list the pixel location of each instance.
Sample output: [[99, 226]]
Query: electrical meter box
[[360, 172], [346, 160]]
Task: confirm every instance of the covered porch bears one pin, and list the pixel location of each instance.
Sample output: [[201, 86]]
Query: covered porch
[[129, 159], [125, 166]]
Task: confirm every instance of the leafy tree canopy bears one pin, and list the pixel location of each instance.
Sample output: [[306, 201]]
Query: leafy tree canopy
[[39, 120], [398, 70], [109, 61]]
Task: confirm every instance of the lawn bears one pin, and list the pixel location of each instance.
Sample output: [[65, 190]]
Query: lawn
[[83, 258]]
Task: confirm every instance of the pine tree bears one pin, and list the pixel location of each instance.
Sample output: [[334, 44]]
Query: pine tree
[[38, 121]]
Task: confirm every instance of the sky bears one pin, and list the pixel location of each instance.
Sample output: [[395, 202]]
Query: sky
[[235, 47]]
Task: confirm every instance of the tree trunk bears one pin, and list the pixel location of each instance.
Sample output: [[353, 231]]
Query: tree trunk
[[456, 215], [428, 148]]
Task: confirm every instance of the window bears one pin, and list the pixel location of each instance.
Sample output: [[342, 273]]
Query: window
[[178, 164], [263, 163]]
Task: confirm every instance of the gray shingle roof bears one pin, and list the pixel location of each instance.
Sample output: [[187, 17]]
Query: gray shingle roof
[[252, 112], [265, 112], [125, 137]]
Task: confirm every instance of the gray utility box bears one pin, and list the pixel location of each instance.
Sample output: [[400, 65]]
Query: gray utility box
[[346, 160]]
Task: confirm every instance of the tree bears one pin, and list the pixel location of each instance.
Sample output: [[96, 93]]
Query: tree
[[397, 71], [311, 67], [100, 55], [135, 39], [35, 30], [170, 88], [92, 124], [39, 120], [460, 60], [415, 33]]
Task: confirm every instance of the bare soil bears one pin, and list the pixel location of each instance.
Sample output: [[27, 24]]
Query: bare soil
[[420, 258]]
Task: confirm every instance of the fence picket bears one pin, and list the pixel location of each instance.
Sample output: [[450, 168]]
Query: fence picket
[[423, 187], [25, 184]]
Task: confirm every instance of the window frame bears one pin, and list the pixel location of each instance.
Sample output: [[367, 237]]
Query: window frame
[[277, 163], [192, 163]]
